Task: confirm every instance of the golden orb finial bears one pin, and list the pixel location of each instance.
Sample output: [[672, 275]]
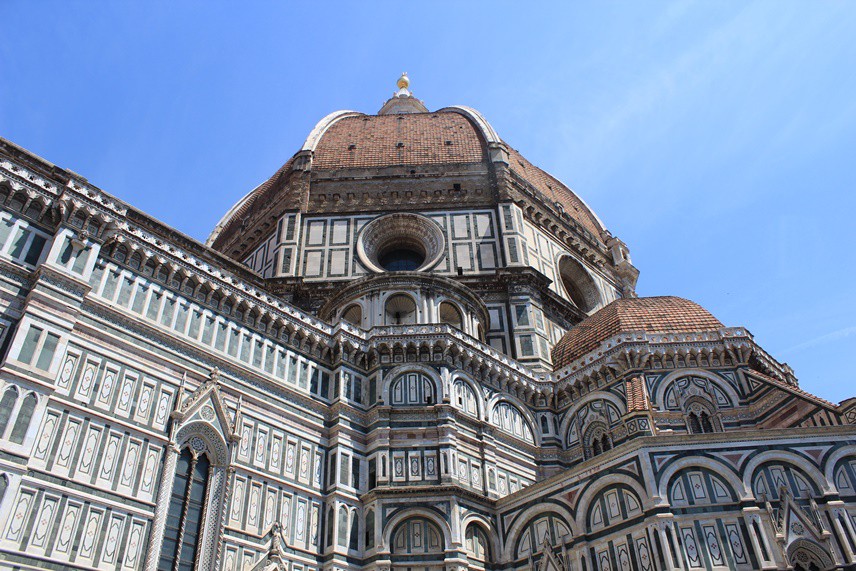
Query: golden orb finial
[[403, 81]]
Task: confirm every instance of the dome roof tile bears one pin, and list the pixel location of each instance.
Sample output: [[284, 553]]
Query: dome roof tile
[[649, 314], [373, 141]]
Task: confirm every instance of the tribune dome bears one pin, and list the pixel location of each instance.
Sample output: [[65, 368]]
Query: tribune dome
[[665, 314]]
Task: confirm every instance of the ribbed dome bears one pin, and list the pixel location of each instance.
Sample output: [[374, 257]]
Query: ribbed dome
[[452, 136], [649, 314]]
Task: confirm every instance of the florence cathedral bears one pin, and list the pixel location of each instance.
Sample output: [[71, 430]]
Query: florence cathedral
[[409, 349]]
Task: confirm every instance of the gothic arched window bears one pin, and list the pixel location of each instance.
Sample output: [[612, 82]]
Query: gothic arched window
[[22, 423], [370, 523], [701, 417], [7, 403], [186, 513], [596, 440], [354, 543]]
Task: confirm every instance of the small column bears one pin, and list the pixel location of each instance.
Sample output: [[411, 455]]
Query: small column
[[664, 542], [167, 477], [845, 543]]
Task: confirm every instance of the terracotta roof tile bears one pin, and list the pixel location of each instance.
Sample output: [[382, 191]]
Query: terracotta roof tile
[[649, 314], [394, 140], [555, 191], [637, 395]]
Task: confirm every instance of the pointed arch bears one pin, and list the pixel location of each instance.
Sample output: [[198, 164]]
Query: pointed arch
[[24, 418]]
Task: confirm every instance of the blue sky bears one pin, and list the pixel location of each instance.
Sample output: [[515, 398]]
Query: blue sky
[[717, 139]]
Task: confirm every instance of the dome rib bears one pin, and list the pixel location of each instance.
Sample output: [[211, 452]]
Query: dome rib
[[667, 314]]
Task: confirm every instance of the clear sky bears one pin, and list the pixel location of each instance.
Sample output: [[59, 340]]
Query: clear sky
[[717, 139]]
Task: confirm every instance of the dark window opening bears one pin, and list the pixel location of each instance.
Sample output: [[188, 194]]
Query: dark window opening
[[401, 260]]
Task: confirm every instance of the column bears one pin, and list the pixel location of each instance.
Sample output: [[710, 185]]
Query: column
[[162, 507]]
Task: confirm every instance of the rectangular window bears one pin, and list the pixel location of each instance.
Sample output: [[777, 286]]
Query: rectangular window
[[343, 470], [20, 240], [181, 318], [521, 313], [325, 384], [48, 350], [285, 267], [140, 299], [270, 357], [292, 370], [125, 292], [280, 366], [28, 349], [222, 334], [208, 330], [304, 375], [6, 226], [245, 350], [257, 354], [110, 283], [195, 324], [234, 342], [358, 389], [168, 311], [526, 348], [154, 305], [95, 278], [313, 383], [35, 251], [355, 471], [79, 260]]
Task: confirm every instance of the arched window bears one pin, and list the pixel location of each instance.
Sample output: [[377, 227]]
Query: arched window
[[596, 440], [413, 389], [7, 404], [400, 309], [451, 315], [509, 419], [699, 487], [477, 546], [331, 524], [770, 478], [417, 535], [354, 542], [353, 315], [370, 523], [186, 512], [700, 416], [25, 416], [551, 527], [613, 506], [343, 526], [465, 398]]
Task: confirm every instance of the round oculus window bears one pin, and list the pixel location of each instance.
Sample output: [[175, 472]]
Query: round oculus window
[[400, 242]]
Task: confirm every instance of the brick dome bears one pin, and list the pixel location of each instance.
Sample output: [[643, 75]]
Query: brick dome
[[454, 139], [649, 314]]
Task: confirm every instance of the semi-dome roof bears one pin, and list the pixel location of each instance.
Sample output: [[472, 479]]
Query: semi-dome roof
[[666, 314], [405, 134]]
